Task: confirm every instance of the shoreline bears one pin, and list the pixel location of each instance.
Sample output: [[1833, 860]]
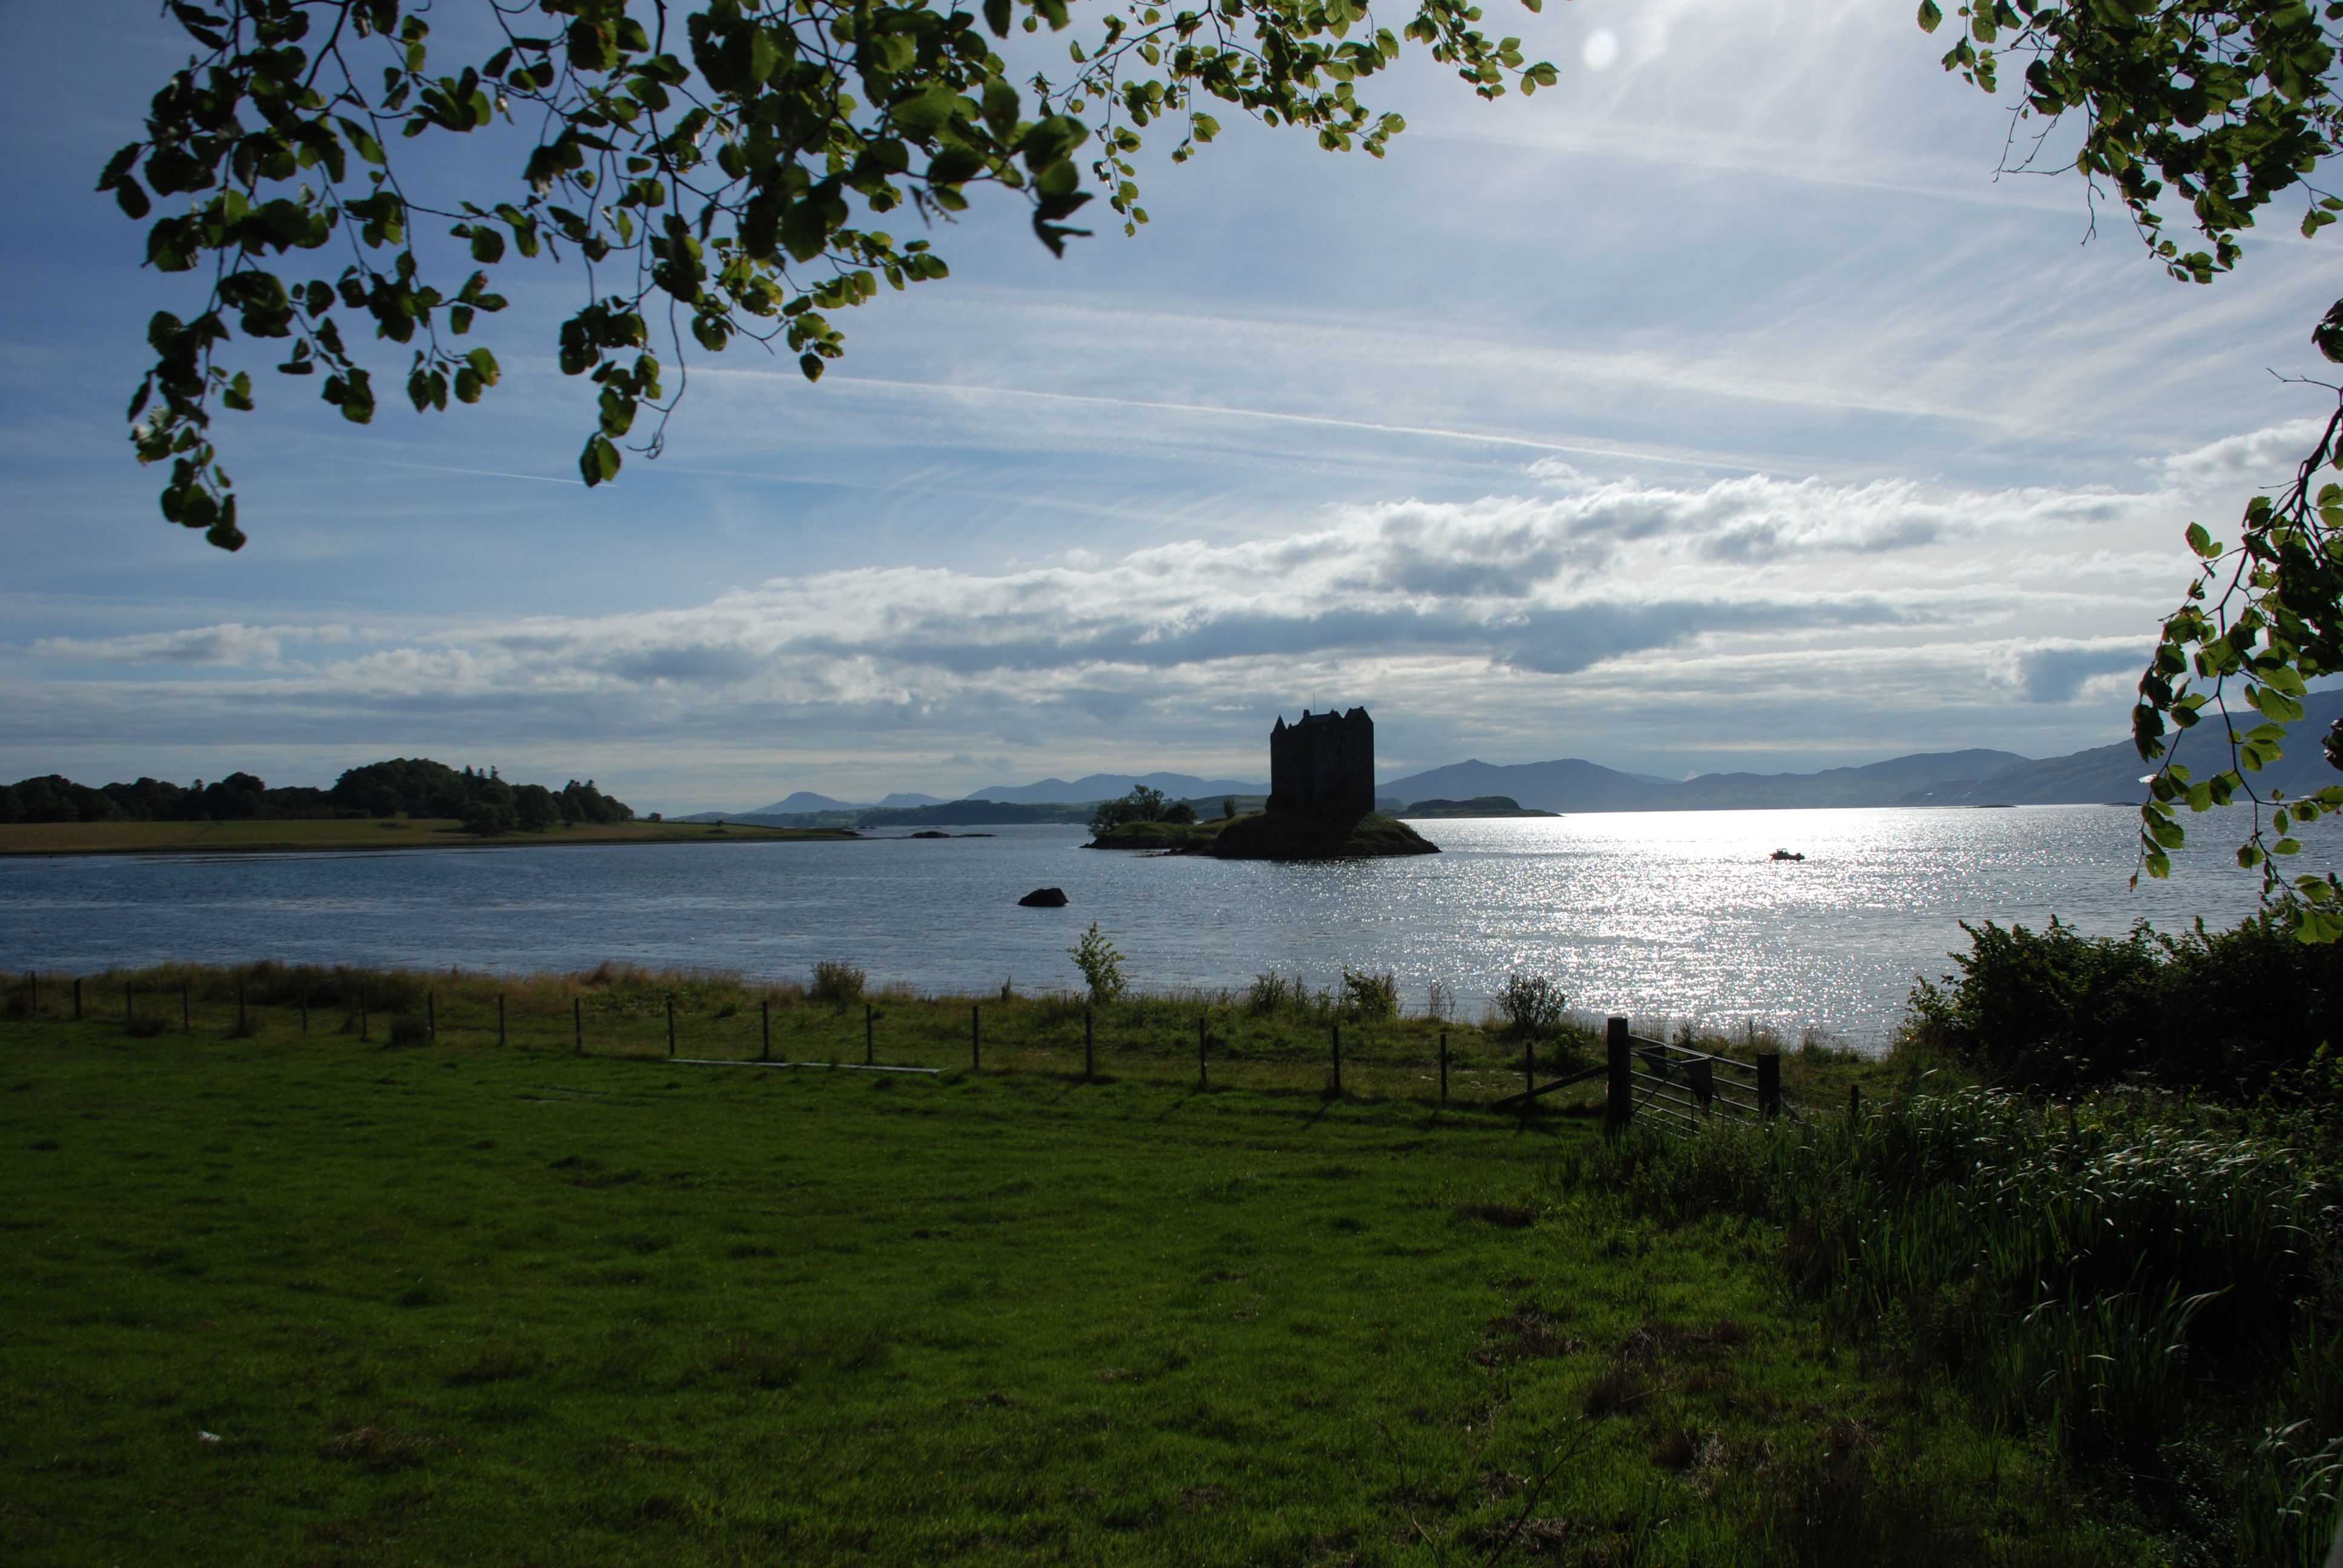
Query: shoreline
[[60, 840]]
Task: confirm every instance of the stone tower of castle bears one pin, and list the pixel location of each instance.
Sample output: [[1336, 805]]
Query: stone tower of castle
[[1324, 764]]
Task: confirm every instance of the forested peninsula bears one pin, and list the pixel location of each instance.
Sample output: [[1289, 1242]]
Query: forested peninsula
[[405, 803], [413, 787]]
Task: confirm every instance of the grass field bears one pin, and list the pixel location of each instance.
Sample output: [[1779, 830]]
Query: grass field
[[352, 833], [310, 1299]]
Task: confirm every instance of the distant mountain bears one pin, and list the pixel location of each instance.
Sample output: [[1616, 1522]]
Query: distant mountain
[[806, 800], [1972, 778], [2114, 773], [1573, 784], [1112, 786], [1887, 783], [964, 813], [1569, 785]]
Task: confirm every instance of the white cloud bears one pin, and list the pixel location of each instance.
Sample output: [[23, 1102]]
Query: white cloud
[[1464, 622], [231, 645]]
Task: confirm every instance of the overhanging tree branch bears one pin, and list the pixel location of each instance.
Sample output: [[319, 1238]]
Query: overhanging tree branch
[[737, 172]]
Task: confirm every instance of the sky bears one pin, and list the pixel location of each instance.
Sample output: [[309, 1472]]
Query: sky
[[1720, 407]]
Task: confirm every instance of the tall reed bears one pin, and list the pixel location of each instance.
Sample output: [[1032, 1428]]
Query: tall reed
[[2128, 1289]]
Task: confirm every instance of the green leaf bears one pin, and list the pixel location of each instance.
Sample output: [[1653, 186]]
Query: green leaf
[[599, 461], [2202, 542], [1930, 17]]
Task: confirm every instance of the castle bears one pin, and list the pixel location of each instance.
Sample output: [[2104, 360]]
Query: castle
[[1324, 764]]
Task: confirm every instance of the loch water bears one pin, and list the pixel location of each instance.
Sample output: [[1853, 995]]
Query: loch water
[[1674, 915]]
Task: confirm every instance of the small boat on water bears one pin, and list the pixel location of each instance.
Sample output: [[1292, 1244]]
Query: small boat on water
[[1786, 855]]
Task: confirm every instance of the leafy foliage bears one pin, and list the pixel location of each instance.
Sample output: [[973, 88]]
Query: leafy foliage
[[2232, 1014], [1143, 804], [836, 982], [2225, 104], [417, 786], [1100, 963], [719, 170], [1531, 1004], [2121, 1289], [1370, 996]]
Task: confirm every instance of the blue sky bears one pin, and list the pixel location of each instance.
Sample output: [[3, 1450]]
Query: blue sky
[[1718, 408]]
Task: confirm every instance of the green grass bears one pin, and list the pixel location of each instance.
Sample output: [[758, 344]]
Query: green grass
[[453, 1303]]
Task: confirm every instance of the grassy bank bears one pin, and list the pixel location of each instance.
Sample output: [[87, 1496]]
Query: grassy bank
[[355, 833], [316, 1298], [1276, 1035]]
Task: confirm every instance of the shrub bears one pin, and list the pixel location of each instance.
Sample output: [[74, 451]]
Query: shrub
[[1100, 964], [1272, 993], [1141, 805], [2081, 1270], [2230, 1012], [1370, 996], [1533, 1004], [837, 983]]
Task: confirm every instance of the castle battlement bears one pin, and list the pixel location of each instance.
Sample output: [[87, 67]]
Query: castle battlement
[[1324, 764]]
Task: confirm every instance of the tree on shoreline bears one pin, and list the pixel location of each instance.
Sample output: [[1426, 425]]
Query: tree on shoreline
[[717, 167], [2225, 104], [415, 786]]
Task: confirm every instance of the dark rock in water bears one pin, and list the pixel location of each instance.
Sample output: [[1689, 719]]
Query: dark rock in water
[[1044, 898], [932, 833]]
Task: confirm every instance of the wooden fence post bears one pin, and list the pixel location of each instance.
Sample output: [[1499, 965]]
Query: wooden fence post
[[365, 1025], [1443, 1067], [304, 1009], [1204, 1073], [869, 1037], [765, 1029], [129, 1006], [77, 999], [1338, 1060], [240, 1011], [578, 1023], [1854, 1100], [430, 1013], [975, 1037], [670, 1023], [1619, 1105], [1529, 1072], [1089, 1059], [1769, 1083], [33, 993], [500, 1020], [187, 1010]]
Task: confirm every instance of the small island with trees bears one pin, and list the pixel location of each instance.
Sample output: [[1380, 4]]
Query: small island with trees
[[406, 802], [1322, 797]]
